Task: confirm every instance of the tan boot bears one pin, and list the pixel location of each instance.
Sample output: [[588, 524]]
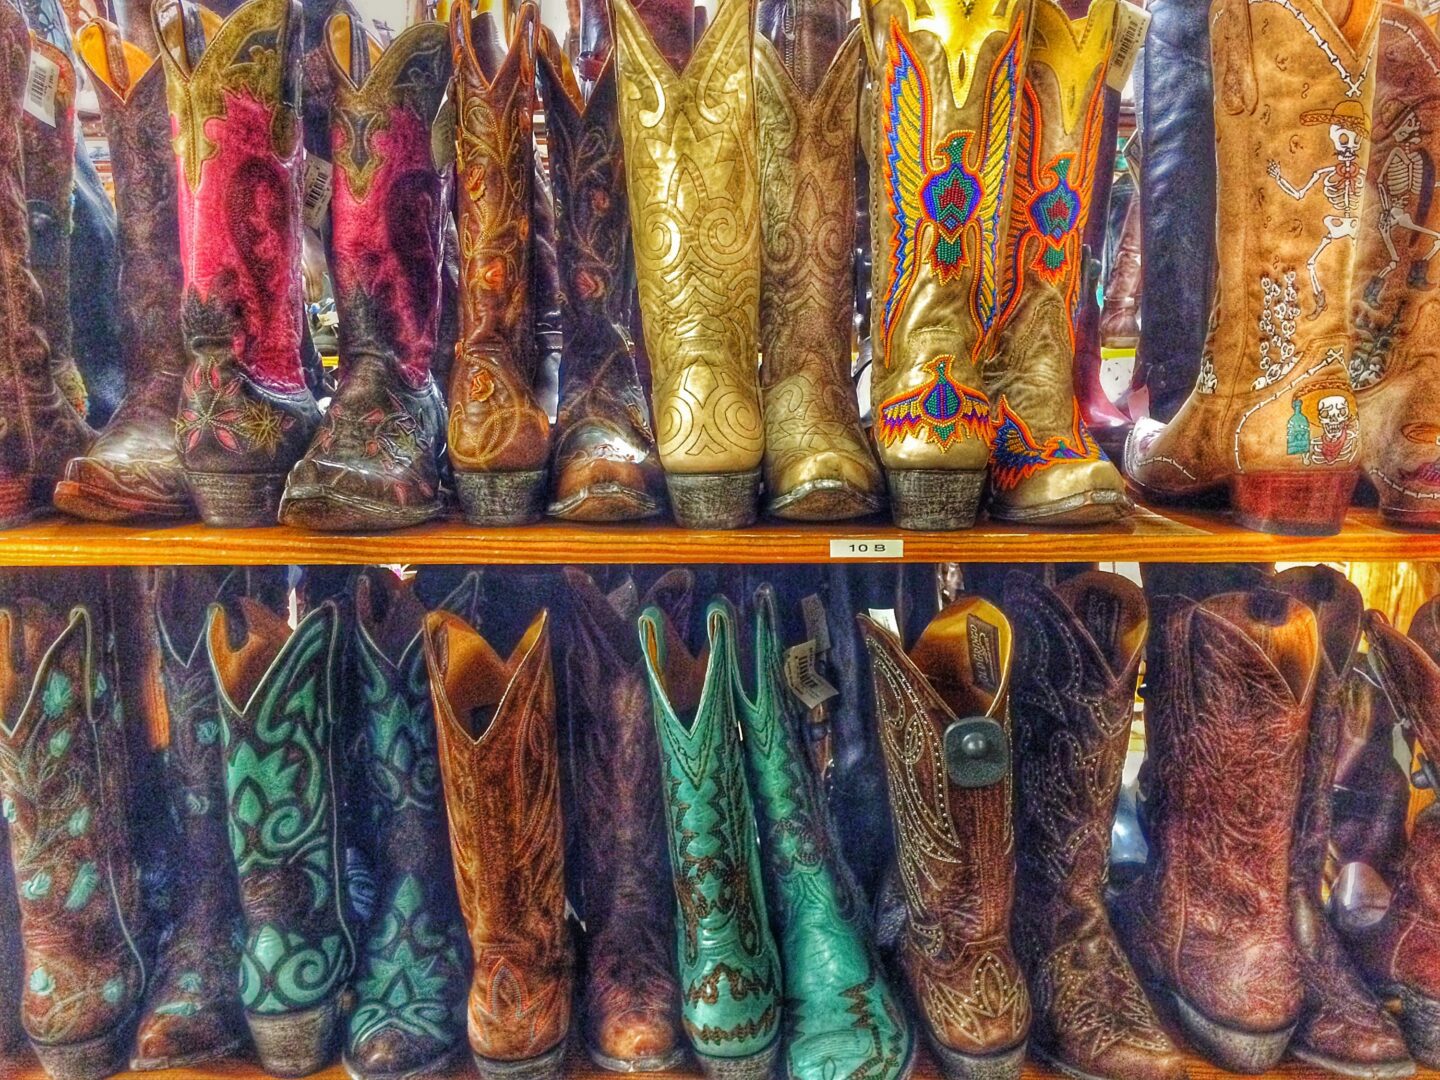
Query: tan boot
[[1046, 467]]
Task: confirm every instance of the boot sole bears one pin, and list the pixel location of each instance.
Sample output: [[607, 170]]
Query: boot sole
[[1420, 1023], [199, 1058], [941, 499], [1086, 508], [237, 500], [662, 1063], [606, 501], [1237, 1051], [436, 1067], [501, 498], [1059, 1066], [824, 500], [327, 511], [714, 500], [299, 1043], [759, 1066], [1383, 1070], [548, 1066], [107, 505], [93, 1059], [1005, 1065]]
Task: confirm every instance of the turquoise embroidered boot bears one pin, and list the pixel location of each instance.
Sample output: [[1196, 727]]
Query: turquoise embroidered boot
[[729, 968], [842, 1018], [409, 1018], [63, 776], [277, 722]]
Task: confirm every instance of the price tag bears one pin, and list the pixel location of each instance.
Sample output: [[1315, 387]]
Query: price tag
[[316, 186], [1131, 23], [804, 678], [886, 618], [867, 549], [40, 86]]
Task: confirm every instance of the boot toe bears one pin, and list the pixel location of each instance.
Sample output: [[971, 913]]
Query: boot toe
[[173, 1039], [120, 489], [636, 1035], [608, 488], [1153, 1059], [392, 1053]]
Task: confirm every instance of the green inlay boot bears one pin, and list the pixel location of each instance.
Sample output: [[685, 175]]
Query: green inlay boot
[[729, 967], [277, 723], [842, 1019]]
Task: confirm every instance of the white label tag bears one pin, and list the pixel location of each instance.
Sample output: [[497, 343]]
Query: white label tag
[[40, 87], [816, 624], [806, 683], [1131, 23], [886, 618], [867, 549], [316, 186]]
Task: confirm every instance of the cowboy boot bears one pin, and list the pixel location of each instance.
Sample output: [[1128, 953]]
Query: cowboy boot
[[499, 435], [132, 471], [632, 1021], [39, 428], [192, 1010], [12, 961], [818, 461], [277, 721], [245, 413], [945, 93], [1045, 465], [1400, 953], [693, 182], [1077, 657], [945, 735], [1342, 1027], [495, 721], [63, 779], [1272, 415], [1096, 409], [1371, 797], [842, 1019], [1396, 328], [729, 967], [411, 977], [1119, 322], [1228, 688], [605, 467]]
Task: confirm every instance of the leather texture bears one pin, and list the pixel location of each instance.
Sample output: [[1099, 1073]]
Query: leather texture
[[12, 961], [606, 467], [1119, 321], [1078, 649], [955, 846], [1293, 125], [1371, 797], [375, 460], [632, 992], [730, 976], [500, 762], [841, 1017], [1045, 465], [133, 469]]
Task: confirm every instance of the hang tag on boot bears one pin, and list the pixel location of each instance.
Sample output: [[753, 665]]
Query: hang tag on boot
[[315, 187], [41, 85], [1131, 24], [804, 678]]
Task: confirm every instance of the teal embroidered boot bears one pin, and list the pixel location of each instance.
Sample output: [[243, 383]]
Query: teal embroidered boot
[[729, 968], [277, 722], [63, 775], [842, 1018], [414, 969]]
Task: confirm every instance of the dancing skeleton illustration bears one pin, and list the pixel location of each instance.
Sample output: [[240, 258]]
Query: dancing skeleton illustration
[[1341, 183], [1404, 184]]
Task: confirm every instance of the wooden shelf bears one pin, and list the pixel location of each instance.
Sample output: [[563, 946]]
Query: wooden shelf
[[1149, 536]]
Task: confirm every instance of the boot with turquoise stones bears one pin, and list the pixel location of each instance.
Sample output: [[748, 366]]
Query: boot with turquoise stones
[[842, 1019], [414, 968], [277, 720], [730, 983]]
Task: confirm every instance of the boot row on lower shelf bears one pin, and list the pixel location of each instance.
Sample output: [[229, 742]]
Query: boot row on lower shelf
[[345, 823]]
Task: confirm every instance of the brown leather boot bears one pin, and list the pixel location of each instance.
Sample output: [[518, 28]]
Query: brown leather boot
[[1371, 797], [133, 469], [499, 436], [1342, 1027], [39, 428], [632, 994], [495, 721], [1119, 322], [1400, 954], [1229, 684], [1077, 657], [945, 732]]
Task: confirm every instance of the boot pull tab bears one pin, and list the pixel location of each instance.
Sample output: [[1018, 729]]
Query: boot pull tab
[[192, 33], [977, 752], [115, 58], [359, 51], [1230, 45]]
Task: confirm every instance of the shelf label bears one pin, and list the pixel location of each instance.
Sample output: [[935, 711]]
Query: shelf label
[[868, 548]]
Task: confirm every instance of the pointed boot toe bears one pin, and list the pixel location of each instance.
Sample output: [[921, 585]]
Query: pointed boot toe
[[175, 1040], [599, 478], [391, 1054], [636, 1040], [111, 488], [1376, 1051], [829, 485]]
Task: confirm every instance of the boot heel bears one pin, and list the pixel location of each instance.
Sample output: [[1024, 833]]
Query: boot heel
[[957, 1066], [759, 1066], [296, 1044], [714, 500], [548, 1066], [1293, 503], [1420, 1022], [237, 500], [93, 1059], [935, 498], [1237, 1051], [501, 498]]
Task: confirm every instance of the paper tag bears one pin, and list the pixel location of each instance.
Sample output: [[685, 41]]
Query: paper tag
[[812, 609], [316, 186], [886, 618], [867, 549], [40, 87], [804, 678], [1131, 23]]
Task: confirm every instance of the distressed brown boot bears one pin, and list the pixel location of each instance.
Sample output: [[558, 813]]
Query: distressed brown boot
[[1077, 658], [132, 472], [945, 732], [1119, 322], [1371, 797], [1342, 1027], [1229, 683], [632, 993], [500, 763]]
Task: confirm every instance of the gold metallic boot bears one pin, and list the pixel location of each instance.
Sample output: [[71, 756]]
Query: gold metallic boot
[[693, 182], [945, 91], [1272, 414], [1045, 466], [818, 461]]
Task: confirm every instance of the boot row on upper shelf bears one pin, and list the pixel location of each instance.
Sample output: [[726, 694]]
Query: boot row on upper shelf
[[338, 828]]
